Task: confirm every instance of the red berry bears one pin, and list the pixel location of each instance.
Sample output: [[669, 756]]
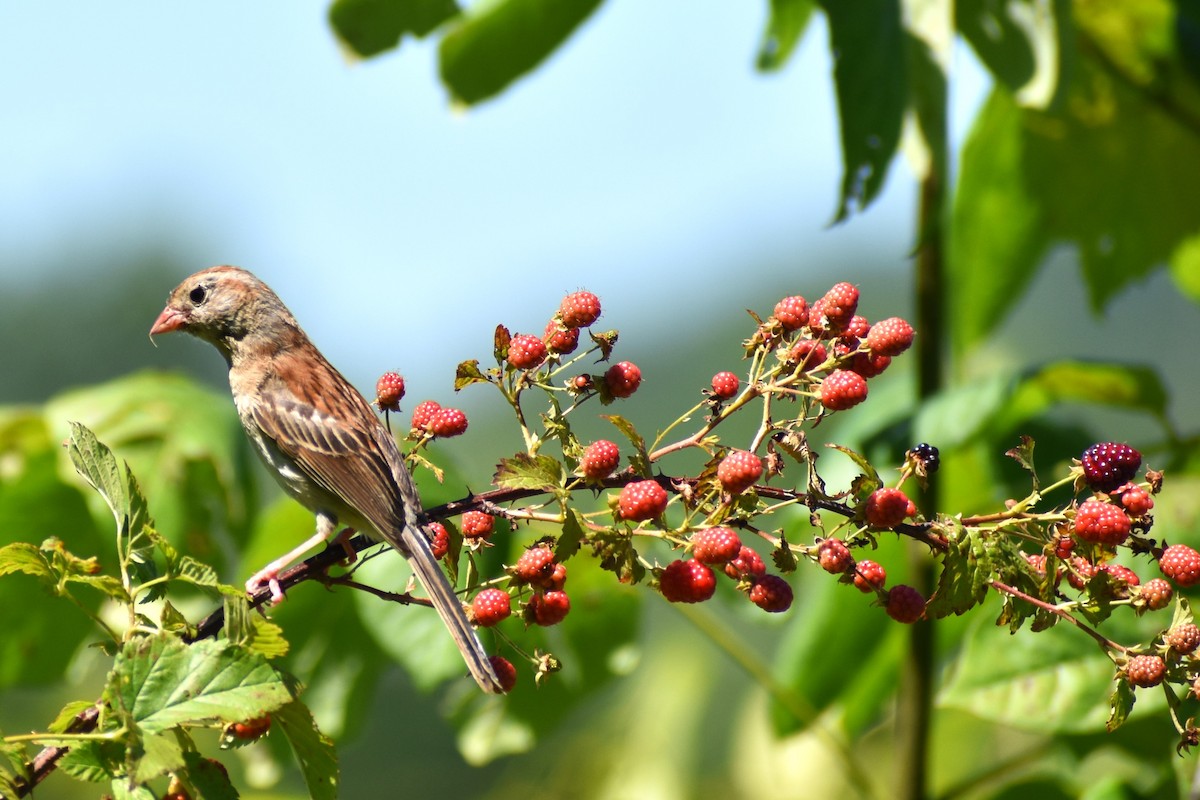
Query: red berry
[[858, 327], [1156, 593], [890, 337], [477, 525], [580, 383], [1101, 523], [1134, 499], [388, 391], [869, 576], [771, 593], [526, 351], [251, 728], [1081, 572], [687, 582], [579, 309], [642, 500], [1183, 638], [869, 365], [843, 389], [423, 414], [623, 379], [724, 385], [807, 353], [905, 604], [715, 546], [1036, 562], [739, 470], [558, 340], [839, 306], [1123, 574], [599, 460], [1107, 465], [535, 565], [748, 564], [834, 557], [1181, 564], [887, 508], [490, 607], [506, 673], [1145, 671], [556, 580], [792, 312], [447, 422], [440, 542], [549, 608]]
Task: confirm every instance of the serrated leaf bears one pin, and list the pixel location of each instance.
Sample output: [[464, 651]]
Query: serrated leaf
[[63, 721], [524, 471], [500, 341], [123, 789], [863, 463], [785, 26], [314, 751], [25, 558], [573, 531], [267, 639], [1023, 455], [640, 460], [106, 584], [94, 761], [206, 780], [370, 27], [197, 573], [967, 568], [14, 754], [1120, 704], [468, 372], [782, 555], [156, 756]]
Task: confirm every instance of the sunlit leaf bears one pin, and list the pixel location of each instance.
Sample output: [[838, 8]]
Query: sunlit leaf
[[369, 27], [785, 26]]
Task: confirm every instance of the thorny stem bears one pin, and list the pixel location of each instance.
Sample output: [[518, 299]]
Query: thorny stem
[[1107, 644]]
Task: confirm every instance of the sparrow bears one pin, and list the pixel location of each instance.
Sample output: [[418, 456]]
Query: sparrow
[[317, 435]]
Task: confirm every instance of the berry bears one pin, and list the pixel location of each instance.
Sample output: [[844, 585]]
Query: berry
[[623, 379], [887, 508], [927, 455], [490, 607], [792, 312], [581, 383], [869, 365], [834, 557], [771, 593], [1123, 574], [1081, 572], [506, 673], [1102, 523], [1107, 465], [890, 337], [905, 604], [1134, 499], [807, 353], [748, 564], [579, 309], [1183, 639], [642, 500], [1063, 546], [599, 460], [1036, 562], [252, 728], [687, 582], [843, 389], [1145, 671], [739, 470], [423, 414], [549, 609], [526, 351], [556, 580], [1181, 564], [1156, 593], [724, 385], [839, 305], [440, 541], [477, 525], [715, 546], [388, 391], [869, 576], [447, 422], [535, 565], [558, 340], [858, 327]]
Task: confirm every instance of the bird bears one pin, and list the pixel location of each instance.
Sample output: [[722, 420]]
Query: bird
[[318, 436]]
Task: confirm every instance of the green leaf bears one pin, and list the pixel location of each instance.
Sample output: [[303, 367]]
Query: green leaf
[[157, 755], [524, 471], [573, 531], [468, 372], [968, 567], [94, 761], [66, 717], [1121, 704], [868, 45], [314, 751], [123, 789], [496, 43], [640, 461], [26, 558], [197, 573], [786, 25], [369, 27], [205, 780], [1019, 42], [1128, 386]]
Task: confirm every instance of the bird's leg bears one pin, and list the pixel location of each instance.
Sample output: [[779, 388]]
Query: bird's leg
[[343, 541], [269, 574]]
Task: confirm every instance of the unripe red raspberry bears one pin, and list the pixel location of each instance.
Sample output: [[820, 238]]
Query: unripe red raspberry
[[599, 460], [715, 546], [1101, 523], [440, 541], [905, 604], [869, 576], [843, 389], [623, 379], [1145, 671], [792, 312], [724, 385], [642, 500], [534, 565], [807, 353], [1036, 562], [388, 391], [423, 414], [739, 470], [890, 337], [687, 582], [251, 728], [506, 673], [526, 351], [549, 608], [477, 525], [1081, 572], [556, 580], [869, 365], [1181, 564], [1123, 574], [1183, 639], [579, 309], [1156, 593], [490, 607], [771, 593], [1134, 499], [858, 327], [562, 342], [1107, 465], [748, 564], [834, 557], [886, 508], [839, 305], [447, 422], [580, 384]]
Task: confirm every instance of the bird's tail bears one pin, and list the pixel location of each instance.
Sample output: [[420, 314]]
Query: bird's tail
[[449, 607]]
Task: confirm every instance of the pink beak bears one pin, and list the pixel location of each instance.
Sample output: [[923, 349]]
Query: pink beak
[[169, 320]]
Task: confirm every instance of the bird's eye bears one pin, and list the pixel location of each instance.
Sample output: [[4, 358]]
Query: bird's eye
[[198, 294]]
